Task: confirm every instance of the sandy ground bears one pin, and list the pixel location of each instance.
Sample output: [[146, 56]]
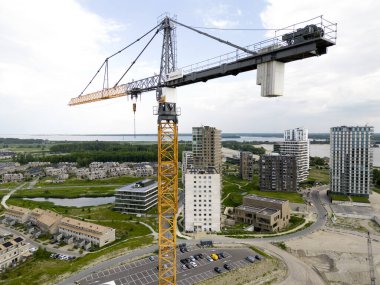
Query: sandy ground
[[267, 271], [339, 258]]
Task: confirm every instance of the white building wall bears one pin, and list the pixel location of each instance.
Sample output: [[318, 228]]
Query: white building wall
[[202, 202], [296, 143]]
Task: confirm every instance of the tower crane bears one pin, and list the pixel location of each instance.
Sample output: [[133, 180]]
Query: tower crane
[[299, 41]]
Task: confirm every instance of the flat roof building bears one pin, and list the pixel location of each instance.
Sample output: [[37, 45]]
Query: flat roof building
[[12, 252], [351, 160], [296, 143], [202, 200], [136, 198], [207, 148], [278, 173], [265, 214], [246, 165], [89, 232]]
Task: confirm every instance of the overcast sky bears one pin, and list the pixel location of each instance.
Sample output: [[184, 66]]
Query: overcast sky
[[49, 50]]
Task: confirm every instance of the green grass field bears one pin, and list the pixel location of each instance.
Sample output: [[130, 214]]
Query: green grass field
[[319, 175]]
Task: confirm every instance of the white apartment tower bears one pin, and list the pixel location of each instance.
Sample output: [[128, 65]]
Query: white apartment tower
[[351, 159], [202, 200], [207, 148], [296, 143]]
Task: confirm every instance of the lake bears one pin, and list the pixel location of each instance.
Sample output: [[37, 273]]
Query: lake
[[76, 202]]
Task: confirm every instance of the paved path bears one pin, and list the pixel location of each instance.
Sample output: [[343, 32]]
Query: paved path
[[299, 273], [6, 197]]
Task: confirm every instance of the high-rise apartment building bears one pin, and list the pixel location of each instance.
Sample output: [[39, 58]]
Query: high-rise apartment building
[[202, 200], [351, 160], [246, 165], [187, 162], [207, 148], [296, 143], [278, 172]]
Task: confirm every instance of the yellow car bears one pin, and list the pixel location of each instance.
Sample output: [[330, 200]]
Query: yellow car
[[214, 256]]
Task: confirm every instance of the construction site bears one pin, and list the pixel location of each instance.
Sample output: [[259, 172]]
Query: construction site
[[306, 39]]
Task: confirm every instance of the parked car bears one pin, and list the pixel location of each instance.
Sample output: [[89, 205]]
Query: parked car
[[250, 259], [151, 258], [182, 249], [223, 254], [32, 249], [219, 255], [193, 264], [196, 257], [227, 266], [201, 256], [218, 269], [191, 258], [209, 258], [214, 256], [183, 261], [183, 267], [188, 265], [258, 257]]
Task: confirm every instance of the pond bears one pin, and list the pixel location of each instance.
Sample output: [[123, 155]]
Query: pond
[[76, 202]]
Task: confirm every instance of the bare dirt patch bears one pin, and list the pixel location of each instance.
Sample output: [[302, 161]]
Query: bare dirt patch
[[339, 258], [266, 271]]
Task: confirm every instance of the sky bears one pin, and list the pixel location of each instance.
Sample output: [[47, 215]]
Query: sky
[[49, 50]]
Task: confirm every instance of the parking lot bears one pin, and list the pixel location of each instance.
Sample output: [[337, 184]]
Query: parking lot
[[144, 271]]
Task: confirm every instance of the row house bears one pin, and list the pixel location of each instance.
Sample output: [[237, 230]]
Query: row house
[[19, 214], [89, 232], [46, 220], [12, 177], [12, 252]]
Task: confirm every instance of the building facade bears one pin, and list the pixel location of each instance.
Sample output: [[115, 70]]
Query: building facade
[[278, 173], [92, 233], [187, 162], [351, 160], [246, 165], [136, 198], [207, 148], [202, 200], [296, 143], [20, 215], [265, 214], [12, 252]]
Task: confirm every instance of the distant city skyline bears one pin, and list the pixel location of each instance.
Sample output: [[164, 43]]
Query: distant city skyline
[[43, 65]]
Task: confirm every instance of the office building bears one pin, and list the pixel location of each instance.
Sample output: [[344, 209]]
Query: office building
[[91, 233], [246, 165], [136, 198], [296, 143], [278, 172], [187, 162], [265, 214], [202, 200], [207, 148], [351, 160]]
